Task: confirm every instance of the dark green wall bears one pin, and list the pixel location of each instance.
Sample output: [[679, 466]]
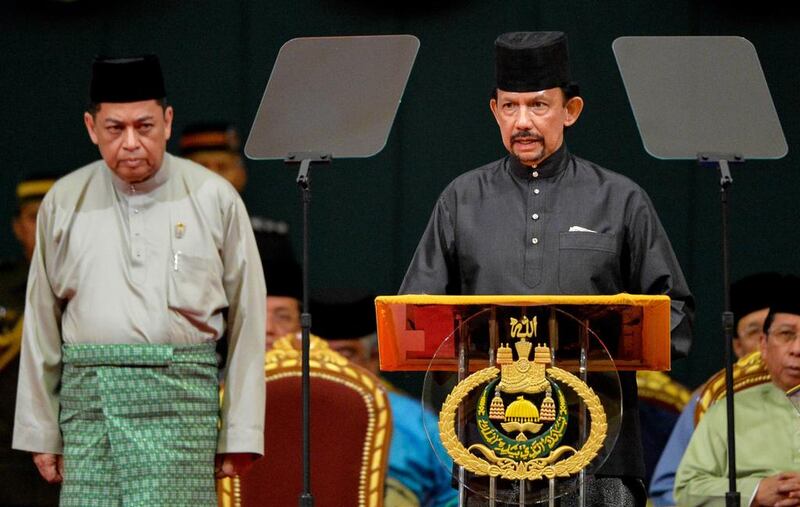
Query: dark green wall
[[368, 214]]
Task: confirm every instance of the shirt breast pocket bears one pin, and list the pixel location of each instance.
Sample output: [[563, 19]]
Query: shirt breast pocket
[[194, 286], [588, 263]]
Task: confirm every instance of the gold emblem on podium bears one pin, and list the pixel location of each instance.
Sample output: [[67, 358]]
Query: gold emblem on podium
[[522, 415]]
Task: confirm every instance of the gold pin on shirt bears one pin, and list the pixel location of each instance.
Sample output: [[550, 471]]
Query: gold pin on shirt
[[180, 230]]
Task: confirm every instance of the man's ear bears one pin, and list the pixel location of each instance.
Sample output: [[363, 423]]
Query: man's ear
[[493, 107], [737, 347], [88, 120], [168, 115], [16, 226], [574, 106]]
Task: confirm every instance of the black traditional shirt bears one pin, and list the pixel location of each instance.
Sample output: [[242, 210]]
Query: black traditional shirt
[[567, 226]]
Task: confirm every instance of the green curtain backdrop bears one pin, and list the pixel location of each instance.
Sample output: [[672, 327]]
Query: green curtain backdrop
[[367, 215]]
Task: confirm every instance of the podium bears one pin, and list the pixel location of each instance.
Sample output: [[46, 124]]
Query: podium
[[528, 386]]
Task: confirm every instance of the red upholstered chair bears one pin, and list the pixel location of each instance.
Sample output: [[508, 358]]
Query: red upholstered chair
[[350, 434]]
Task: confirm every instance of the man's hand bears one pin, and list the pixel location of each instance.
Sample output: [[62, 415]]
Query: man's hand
[[51, 466], [781, 490], [234, 463]]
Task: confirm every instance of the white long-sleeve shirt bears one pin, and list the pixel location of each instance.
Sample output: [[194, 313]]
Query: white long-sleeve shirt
[[155, 262]]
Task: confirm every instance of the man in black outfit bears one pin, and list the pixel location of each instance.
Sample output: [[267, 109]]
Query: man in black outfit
[[543, 221]]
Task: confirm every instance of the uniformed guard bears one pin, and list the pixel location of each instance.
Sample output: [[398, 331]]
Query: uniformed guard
[[217, 146], [16, 467]]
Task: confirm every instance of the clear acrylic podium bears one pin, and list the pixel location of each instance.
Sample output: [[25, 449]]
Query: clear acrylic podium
[[571, 347]]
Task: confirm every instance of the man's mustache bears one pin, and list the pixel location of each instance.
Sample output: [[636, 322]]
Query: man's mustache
[[528, 134]]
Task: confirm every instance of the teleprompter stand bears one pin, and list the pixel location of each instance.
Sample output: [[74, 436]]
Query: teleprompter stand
[[704, 98], [328, 97]]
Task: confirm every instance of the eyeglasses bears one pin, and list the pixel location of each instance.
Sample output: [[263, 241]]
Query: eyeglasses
[[784, 336]]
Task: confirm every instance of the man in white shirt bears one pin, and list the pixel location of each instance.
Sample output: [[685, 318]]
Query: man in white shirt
[[142, 262]]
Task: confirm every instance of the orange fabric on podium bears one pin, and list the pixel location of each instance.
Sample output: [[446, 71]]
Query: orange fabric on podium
[[413, 328]]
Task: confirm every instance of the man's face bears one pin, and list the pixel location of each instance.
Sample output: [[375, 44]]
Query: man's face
[[283, 317], [24, 226], [748, 332], [780, 349], [532, 123], [131, 136], [358, 351], [226, 164]]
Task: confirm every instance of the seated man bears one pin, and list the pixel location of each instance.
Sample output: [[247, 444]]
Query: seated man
[[418, 475], [284, 295], [767, 466], [283, 300], [751, 298]]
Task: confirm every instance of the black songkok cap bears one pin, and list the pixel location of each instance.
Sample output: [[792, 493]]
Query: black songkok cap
[[284, 278], [531, 61], [787, 299], [283, 274], [343, 314], [212, 136], [126, 79], [753, 293]]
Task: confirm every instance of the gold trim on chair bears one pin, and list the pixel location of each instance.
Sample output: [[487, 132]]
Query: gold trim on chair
[[747, 372], [660, 388], [284, 361], [10, 344]]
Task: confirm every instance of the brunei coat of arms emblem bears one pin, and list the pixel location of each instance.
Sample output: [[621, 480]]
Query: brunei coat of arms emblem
[[522, 415]]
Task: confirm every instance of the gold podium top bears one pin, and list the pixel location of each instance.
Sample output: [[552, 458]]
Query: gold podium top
[[412, 329]]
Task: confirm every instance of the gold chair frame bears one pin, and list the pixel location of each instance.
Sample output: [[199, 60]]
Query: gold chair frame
[[284, 361], [748, 371]]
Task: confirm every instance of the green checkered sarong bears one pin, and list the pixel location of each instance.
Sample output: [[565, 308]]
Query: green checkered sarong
[[139, 424]]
